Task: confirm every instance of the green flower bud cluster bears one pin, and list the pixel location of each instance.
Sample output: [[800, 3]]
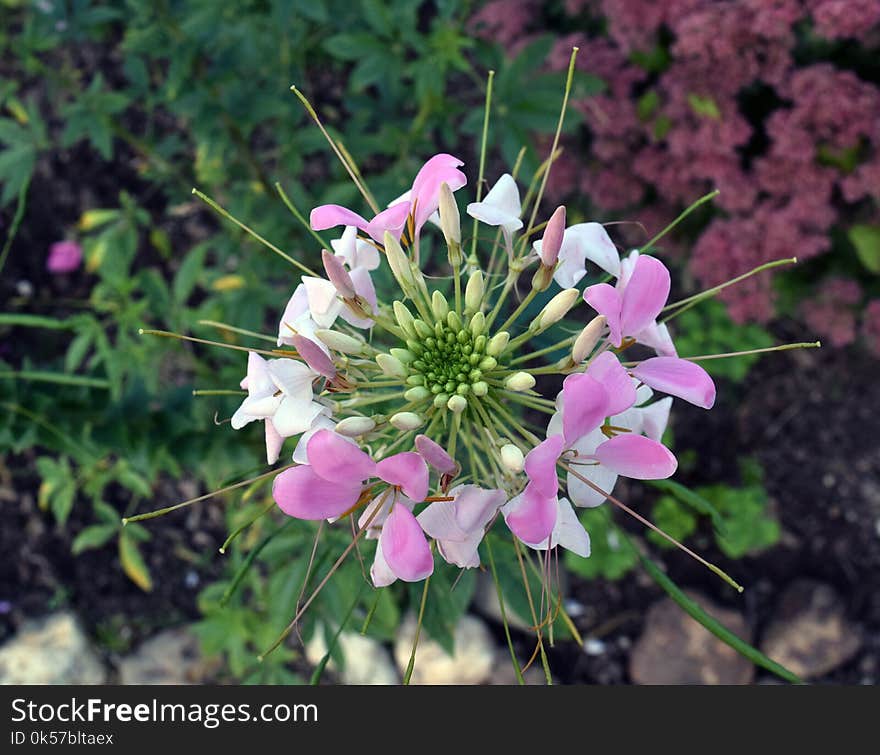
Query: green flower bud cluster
[[447, 358]]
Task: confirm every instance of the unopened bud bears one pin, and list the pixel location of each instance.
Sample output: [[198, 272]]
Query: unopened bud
[[399, 264], [473, 292], [551, 242], [478, 323], [391, 366], [480, 388], [338, 275], [512, 458], [555, 309], [406, 421], [404, 318], [450, 223], [352, 427], [337, 341], [498, 343], [454, 322], [417, 393], [487, 363], [439, 306], [404, 355], [457, 404], [587, 339], [520, 381], [423, 330], [314, 356]]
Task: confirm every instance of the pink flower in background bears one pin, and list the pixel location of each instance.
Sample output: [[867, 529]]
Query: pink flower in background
[[831, 314], [871, 326], [64, 257]]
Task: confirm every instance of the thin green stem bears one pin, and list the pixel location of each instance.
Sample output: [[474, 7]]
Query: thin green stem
[[702, 200], [59, 378], [294, 210], [519, 310], [412, 656], [541, 352], [268, 244], [482, 170], [234, 329], [494, 570]]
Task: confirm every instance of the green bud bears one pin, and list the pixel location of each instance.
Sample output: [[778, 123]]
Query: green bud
[[423, 330], [406, 421], [439, 305], [399, 264], [440, 400], [404, 318], [454, 321], [404, 355], [478, 323], [555, 309], [417, 393], [415, 380], [391, 366], [473, 292], [352, 427], [519, 381], [498, 343], [457, 404], [480, 388], [487, 364], [450, 223], [480, 343], [340, 341]]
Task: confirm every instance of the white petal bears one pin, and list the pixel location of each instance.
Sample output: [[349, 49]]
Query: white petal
[[593, 243], [294, 417], [643, 392], [296, 308], [380, 572], [657, 337], [438, 521], [569, 532], [582, 494], [463, 554], [293, 378], [655, 417], [491, 215], [346, 245], [324, 303], [274, 441]]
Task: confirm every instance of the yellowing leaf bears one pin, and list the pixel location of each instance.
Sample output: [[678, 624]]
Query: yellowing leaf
[[95, 253], [228, 283], [92, 219], [133, 563]]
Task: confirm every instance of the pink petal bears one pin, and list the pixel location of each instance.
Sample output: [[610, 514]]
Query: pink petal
[[644, 296], [636, 456], [586, 405], [438, 521], [329, 215], [606, 301], [404, 547], [442, 168], [612, 375], [408, 471], [314, 356], [475, 506], [435, 455], [301, 493], [531, 516], [338, 459], [392, 220], [540, 465], [678, 377], [64, 257], [337, 274]]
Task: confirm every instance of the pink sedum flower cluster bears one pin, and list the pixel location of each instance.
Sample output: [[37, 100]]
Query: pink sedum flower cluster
[[415, 415]]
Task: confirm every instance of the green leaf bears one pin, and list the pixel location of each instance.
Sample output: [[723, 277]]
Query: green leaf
[[713, 625], [93, 536], [188, 273], [866, 240], [691, 498], [133, 563], [675, 520]]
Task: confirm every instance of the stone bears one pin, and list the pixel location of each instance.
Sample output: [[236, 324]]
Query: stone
[[53, 650], [486, 603], [809, 633], [471, 663], [366, 659], [171, 657], [675, 649]]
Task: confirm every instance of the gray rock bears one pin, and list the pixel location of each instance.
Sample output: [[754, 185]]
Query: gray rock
[[486, 603], [53, 650], [810, 634], [171, 657], [675, 649], [471, 662], [366, 660]]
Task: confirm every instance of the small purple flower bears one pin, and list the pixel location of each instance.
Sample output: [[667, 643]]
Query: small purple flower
[[64, 257]]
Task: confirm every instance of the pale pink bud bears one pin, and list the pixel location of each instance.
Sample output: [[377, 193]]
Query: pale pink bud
[[338, 275], [551, 242]]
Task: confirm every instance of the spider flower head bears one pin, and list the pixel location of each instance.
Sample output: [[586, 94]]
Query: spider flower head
[[424, 413]]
